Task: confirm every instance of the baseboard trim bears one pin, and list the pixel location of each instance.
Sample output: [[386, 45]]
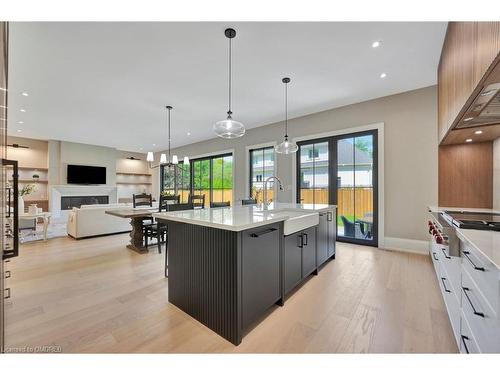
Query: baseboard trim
[[406, 245]]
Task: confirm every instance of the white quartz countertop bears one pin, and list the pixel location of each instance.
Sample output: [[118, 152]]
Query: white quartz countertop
[[487, 242], [238, 218]]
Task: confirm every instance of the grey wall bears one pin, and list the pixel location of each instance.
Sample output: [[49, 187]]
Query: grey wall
[[410, 153]]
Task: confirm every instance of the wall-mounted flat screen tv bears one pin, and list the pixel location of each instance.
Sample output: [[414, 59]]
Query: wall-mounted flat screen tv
[[86, 175]]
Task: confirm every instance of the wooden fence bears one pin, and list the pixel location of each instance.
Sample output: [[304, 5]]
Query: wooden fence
[[360, 197]]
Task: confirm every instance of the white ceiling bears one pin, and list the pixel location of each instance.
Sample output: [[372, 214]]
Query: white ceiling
[[107, 83]]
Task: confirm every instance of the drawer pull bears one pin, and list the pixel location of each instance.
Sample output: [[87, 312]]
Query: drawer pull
[[444, 285], [465, 345], [7, 293], [329, 216], [261, 233], [466, 254], [434, 256], [446, 256], [470, 302], [305, 239], [7, 274]]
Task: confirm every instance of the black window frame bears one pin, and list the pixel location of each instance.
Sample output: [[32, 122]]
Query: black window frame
[[250, 169], [333, 182]]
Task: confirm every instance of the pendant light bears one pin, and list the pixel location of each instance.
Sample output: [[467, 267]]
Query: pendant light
[[171, 161], [229, 128], [286, 147]]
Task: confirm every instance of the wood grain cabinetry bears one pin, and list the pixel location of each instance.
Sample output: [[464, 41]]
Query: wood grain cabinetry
[[466, 175], [469, 51]]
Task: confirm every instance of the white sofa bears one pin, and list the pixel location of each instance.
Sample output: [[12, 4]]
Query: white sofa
[[92, 220]]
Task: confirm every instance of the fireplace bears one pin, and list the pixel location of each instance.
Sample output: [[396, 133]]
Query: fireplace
[[68, 202]]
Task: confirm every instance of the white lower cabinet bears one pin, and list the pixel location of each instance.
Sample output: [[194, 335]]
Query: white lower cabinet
[[470, 286]]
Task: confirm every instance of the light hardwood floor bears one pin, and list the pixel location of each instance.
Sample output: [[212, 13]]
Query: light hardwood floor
[[96, 296]]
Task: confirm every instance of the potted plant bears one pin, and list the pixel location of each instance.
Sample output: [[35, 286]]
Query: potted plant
[[26, 190]]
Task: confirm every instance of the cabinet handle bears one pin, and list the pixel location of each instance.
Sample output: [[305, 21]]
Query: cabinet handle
[[261, 233], [305, 239], [470, 302], [434, 256], [301, 238], [7, 295], [444, 285], [446, 256], [7, 274], [329, 216], [466, 255], [465, 345]]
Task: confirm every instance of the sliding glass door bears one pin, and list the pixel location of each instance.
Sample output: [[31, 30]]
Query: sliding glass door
[[342, 170]]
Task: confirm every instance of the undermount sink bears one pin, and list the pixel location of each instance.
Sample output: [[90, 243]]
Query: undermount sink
[[297, 220]]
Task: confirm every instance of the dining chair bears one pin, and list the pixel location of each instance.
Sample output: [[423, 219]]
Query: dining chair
[[220, 204], [170, 208], [158, 230], [247, 202], [144, 200], [197, 200]]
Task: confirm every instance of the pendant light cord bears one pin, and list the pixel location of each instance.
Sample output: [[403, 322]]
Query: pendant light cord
[[286, 110], [229, 111], [168, 119]]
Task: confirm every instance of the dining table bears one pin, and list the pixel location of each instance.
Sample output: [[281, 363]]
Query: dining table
[[136, 216]]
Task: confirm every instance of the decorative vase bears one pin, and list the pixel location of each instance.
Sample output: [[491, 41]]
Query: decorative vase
[[20, 205]]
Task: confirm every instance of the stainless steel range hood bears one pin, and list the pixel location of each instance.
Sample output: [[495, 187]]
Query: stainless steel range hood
[[484, 110]]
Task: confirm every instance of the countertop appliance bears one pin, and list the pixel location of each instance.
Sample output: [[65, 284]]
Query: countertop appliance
[[473, 220]]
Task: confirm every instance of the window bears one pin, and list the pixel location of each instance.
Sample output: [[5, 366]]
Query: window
[[213, 177], [176, 180], [261, 167], [342, 170]]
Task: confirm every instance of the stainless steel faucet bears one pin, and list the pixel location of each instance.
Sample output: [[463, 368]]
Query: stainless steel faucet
[[265, 202]]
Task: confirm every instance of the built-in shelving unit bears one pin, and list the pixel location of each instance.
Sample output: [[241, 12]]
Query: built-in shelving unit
[[40, 195], [132, 182]]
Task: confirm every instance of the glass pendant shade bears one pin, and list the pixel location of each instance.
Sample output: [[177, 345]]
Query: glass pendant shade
[[175, 160], [163, 159], [150, 156], [186, 160], [229, 128], [286, 147]]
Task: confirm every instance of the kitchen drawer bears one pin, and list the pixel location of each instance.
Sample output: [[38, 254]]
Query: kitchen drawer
[[468, 343], [452, 266], [482, 319], [435, 257], [483, 272], [452, 302]]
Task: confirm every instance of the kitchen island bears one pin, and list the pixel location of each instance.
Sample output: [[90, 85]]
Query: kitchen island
[[227, 266]]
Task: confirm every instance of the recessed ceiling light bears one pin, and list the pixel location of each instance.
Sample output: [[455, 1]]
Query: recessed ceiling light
[[478, 132], [383, 75], [154, 144], [24, 93], [22, 110], [20, 122], [19, 130], [188, 133], [468, 118], [468, 140], [376, 43]]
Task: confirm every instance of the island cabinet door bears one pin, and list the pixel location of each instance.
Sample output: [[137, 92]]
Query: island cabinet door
[[308, 251], [293, 260], [260, 270], [323, 238]]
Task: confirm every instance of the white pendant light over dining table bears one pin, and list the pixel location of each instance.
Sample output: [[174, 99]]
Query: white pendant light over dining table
[[229, 128], [171, 160], [286, 147]]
